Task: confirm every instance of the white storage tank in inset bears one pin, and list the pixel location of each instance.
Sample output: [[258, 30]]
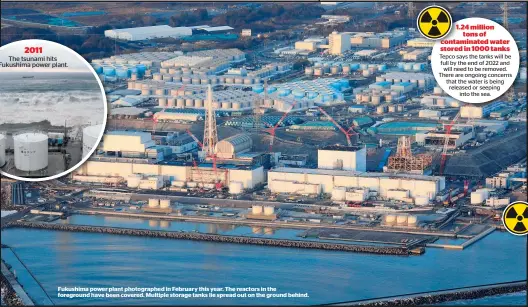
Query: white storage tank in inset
[[2, 150], [235, 187], [269, 210], [90, 137], [164, 203], [256, 210], [31, 151], [153, 203]]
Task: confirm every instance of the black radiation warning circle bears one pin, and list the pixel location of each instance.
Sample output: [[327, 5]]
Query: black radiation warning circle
[[515, 218], [434, 22]]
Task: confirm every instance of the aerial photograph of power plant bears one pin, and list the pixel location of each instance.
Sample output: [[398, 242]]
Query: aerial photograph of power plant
[[44, 112], [259, 153]]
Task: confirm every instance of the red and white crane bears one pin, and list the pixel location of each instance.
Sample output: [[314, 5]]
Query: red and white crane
[[348, 133], [272, 129], [212, 156], [448, 128]]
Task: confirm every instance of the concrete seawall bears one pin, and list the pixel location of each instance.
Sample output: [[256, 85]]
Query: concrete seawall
[[437, 297], [216, 238]]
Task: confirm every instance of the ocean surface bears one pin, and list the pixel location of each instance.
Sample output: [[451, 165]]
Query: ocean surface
[[67, 259], [56, 97]]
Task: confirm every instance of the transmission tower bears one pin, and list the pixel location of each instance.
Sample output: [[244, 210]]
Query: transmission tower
[[505, 15], [210, 134]]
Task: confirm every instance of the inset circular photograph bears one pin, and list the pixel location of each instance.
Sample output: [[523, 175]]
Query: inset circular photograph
[[53, 110]]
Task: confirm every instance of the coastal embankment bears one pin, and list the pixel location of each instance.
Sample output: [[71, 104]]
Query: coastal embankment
[[194, 236]]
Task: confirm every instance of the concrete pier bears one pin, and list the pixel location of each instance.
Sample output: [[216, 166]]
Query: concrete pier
[[194, 236], [437, 297], [16, 287]]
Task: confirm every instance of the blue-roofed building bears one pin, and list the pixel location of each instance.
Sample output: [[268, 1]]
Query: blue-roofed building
[[403, 87]]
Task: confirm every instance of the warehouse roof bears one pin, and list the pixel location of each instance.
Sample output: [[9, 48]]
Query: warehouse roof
[[342, 148], [319, 171], [214, 29]]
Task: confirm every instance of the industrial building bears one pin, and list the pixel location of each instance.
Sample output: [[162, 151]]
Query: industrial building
[[415, 54], [384, 40], [338, 43], [457, 137], [311, 44], [342, 158], [480, 111], [145, 33], [420, 43], [381, 185]]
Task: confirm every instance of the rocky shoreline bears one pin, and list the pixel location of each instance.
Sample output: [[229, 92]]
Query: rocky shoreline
[[385, 250], [9, 296]]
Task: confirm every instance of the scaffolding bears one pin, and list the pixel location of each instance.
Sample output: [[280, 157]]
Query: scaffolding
[[404, 161]]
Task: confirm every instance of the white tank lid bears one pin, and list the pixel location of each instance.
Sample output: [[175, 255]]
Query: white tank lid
[[31, 137], [93, 131]]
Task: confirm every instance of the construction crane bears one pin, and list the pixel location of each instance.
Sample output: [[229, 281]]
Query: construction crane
[[466, 187], [212, 156], [272, 129], [448, 128], [348, 133]]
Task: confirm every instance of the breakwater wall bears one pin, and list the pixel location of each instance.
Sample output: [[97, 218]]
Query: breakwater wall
[[438, 297], [387, 250]]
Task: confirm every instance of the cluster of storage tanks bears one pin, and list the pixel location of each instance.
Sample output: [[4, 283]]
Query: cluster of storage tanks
[[320, 69], [376, 97], [262, 210], [158, 203], [225, 100], [197, 78], [389, 108], [419, 80], [402, 66], [129, 66], [323, 90], [400, 220]]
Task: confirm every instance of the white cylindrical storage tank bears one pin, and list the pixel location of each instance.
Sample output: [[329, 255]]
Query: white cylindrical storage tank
[[189, 102], [412, 221], [2, 150], [162, 102], [171, 102], [131, 85], [31, 151], [229, 80], [164, 203], [90, 136], [421, 201], [145, 91], [401, 220], [256, 210], [198, 103], [235, 187], [390, 220], [238, 80], [180, 102], [133, 180], [236, 105], [160, 91], [226, 105], [269, 210], [156, 76], [153, 203], [338, 193]]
